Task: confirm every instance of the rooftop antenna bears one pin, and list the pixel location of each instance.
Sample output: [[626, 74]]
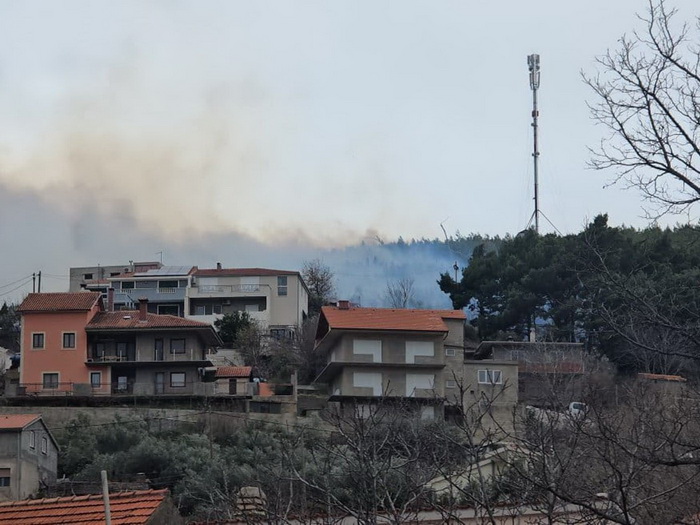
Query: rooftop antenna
[[533, 64]]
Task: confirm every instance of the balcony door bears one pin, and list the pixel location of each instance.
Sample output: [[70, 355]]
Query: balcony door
[[160, 382], [158, 350]]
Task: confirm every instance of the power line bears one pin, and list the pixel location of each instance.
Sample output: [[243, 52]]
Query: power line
[[15, 282], [16, 288]]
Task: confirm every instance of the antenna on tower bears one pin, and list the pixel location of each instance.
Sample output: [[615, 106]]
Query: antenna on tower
[[533, 64]]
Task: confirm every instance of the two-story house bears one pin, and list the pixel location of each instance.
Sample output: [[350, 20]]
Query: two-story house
[[28, 456], [397, 353], [71, 346], [277, 299]]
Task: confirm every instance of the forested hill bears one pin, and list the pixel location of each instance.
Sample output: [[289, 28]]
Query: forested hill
[[363, 272]]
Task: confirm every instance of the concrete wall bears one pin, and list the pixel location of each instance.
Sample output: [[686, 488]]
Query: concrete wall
[[30, 467]]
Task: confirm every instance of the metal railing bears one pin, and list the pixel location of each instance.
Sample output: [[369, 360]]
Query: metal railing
[[233, 288]]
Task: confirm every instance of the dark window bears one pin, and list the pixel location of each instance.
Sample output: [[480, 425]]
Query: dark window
[[37, 340], [217, 308], [95, 379], [69, 340], [177, 346], [127, 285], [5, 477], [168, 284], [177, 379], [44, 445], [87, 276], [169, 309], [50, 381], [158, 350], [32, 439], [282, 285]]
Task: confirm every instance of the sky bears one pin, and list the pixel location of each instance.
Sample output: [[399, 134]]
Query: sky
[[265, 133]]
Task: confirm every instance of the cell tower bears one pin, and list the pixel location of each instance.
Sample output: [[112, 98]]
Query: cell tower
[[533, 64]]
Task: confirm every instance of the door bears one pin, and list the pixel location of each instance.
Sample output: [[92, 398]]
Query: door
[[122, 384], [232, 386], [158, 350], [160, 382]]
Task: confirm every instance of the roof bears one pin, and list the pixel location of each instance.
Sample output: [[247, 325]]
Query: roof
[[17, 421], [234, 371], [131, 320], [127, 508], [59, 302], [165, 271], [662, 377], [241, 272], [355, 318]]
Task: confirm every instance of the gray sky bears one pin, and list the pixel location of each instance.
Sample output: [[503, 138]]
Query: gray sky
[[140, 126]]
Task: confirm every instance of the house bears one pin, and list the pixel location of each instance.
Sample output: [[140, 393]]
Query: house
[[545, 369], [277, 299], [164, 287], [95, 278], [234, 380], [372, 353], [142, 507], [71, 346], [28, 456]]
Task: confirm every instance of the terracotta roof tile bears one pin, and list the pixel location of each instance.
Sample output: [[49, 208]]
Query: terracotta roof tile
[[59, 302], [17, 421], [127, 508], [355, 318], [129, 319], [662, 377], [241, 272], [234, 371]]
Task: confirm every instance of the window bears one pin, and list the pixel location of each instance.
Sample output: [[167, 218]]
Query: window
[[490, 377], [177, 346], [218, 309], [5, 477], [122, 351], [168, 284], [87, 276], [69, 340], [207, 309], [113, 274], [450, 352], [38, 340], [168, 309], [450, 383], [128, 285], [44, 445], [95, 379], [177, 379], [282, 285], [50, 380], [32, 439]]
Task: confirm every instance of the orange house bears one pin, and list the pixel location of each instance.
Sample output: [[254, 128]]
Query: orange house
[[54, 342]]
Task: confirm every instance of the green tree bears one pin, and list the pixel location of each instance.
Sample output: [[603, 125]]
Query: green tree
[[231, 326]]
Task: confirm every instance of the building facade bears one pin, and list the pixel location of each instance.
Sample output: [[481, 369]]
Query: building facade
[[71, 346], [403, 354], [277, 299], [28, 456]]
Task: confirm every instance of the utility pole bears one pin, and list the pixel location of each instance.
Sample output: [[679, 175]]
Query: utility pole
[[34, 282], [533, 64], [39, 275]]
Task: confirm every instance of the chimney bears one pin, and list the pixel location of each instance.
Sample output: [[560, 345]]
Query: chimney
[[143, 308], [218, 266], [344, 305], [110, 299]]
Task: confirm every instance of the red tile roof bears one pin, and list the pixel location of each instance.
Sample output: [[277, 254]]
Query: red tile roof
[[59, 302], [130, 320], [127, 508], [234, 371], [355, 318], [17, 421], [241, 272], [662, 377]]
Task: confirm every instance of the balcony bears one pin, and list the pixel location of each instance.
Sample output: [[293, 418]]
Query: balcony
[[229, 290]]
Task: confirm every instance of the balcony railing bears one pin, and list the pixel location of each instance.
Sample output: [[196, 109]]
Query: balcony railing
[[114, 357], [232, 288]]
